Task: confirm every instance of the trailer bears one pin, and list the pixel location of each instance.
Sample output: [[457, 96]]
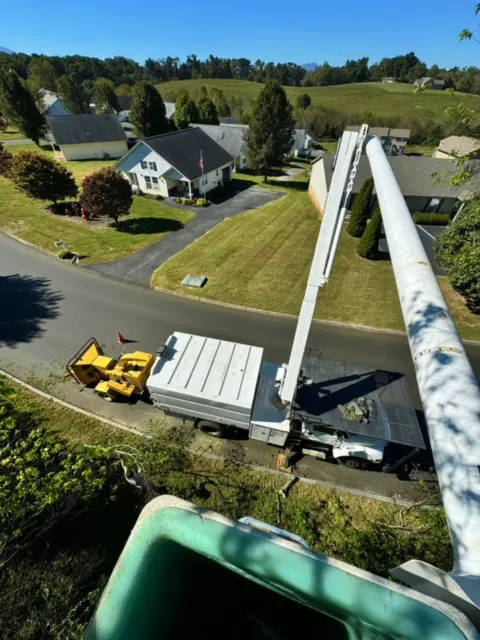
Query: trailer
[[345, 413]]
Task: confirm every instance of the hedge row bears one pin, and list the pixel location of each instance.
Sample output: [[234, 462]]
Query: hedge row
[[431, 218]]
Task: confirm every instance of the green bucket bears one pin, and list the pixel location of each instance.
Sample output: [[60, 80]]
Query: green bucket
[[190, 573]]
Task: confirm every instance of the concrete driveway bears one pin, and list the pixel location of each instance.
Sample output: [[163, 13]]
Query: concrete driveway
[[428, 235], [139, 267]]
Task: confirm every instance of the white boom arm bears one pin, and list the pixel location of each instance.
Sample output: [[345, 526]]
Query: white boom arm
[[448, 389], [327, 243]]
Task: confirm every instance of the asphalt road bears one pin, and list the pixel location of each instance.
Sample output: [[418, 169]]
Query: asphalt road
[[139, 267], [49, 309]]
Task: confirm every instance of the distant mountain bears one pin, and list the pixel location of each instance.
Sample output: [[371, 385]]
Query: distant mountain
[[310, 66], [5, 50]]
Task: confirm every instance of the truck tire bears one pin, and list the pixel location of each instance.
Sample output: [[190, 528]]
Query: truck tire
[[213, 429], [355, 463]]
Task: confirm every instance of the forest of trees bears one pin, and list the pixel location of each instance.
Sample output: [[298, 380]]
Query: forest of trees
[[43, 71]]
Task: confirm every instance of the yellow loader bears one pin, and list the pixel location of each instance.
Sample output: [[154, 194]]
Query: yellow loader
[[113, 379]]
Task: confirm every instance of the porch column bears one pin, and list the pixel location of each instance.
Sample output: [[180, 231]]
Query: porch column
[[190, 194]]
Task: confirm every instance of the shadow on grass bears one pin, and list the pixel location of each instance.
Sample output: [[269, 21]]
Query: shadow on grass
[[136, 226], [27, 302]]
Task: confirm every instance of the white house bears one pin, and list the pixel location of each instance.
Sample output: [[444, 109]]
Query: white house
[[231, 138], [51, 104], [89, 136], [186, 162]]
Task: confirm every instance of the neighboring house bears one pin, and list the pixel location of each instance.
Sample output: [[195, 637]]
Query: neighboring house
[[414, 177], [229, 120], [171, 164], [124, 106], [389, 80], [393, 141], [431, 83], [170, 109], [88, 136], [52, 105], [458, 147], [231, 138], [129, 130]]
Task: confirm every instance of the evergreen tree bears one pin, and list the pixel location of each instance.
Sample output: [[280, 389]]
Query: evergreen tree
[[148, 111], [361, 209], [271, 133], [41, 74], [368, 245], [220, 102], [18, 105], [104, 96], [186, 111], [72, 94], [207, 111]]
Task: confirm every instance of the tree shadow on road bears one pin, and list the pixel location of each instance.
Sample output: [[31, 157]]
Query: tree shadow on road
[[136, 226], [26, 302]]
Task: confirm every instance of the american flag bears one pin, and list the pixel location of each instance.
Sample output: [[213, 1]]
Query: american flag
[[200, 164]]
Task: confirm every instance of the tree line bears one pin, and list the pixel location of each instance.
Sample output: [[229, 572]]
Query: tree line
[[44, 71]]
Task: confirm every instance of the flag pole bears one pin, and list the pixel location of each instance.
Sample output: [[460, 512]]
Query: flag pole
[[201, 164]]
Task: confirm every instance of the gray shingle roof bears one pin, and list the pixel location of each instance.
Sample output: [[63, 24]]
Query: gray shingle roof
[[459, 146], [229, 120], [84, 128], [228, 137], [413, 176], [383, 132], [182, 150]]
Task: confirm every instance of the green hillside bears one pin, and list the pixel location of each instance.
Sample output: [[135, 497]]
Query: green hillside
[[384, 99]]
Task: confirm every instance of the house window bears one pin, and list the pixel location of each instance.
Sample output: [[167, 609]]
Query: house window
[[133, 179], [433, 206], [155, 183], [216, 172], [144, 164], [148, 182], [153, 166]]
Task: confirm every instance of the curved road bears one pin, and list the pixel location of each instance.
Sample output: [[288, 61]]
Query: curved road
[[48, 309]]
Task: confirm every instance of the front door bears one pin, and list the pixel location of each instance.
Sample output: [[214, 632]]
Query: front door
[[226, 174]]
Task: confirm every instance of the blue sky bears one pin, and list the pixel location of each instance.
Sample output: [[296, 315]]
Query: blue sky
[[280, 31]]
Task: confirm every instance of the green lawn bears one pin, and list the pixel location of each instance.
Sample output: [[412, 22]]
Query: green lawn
[[26, 218], [11, 133], [262, 258], [384, 99]]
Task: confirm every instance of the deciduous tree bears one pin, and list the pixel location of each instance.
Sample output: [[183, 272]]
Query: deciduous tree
[[39, 177], [368, 245], [458, 251], [107, 193], [18, 105], [148, 111], [41, 74], [361, 209], [104, 96], [186, 111], [271, 133], [73, 94]]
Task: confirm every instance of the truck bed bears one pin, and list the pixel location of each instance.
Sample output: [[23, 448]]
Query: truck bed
[[336, 383]]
